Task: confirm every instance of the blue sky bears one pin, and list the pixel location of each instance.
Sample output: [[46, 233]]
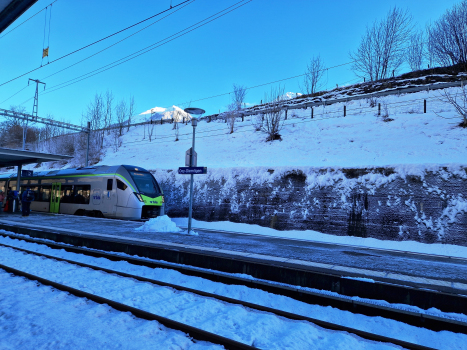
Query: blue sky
[[260, 42]]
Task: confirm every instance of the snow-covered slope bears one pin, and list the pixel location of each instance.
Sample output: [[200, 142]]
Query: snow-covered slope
[[362, 138]]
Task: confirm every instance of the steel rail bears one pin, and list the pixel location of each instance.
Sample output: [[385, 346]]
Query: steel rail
[[356, 306], [289, 315], [193, 332]]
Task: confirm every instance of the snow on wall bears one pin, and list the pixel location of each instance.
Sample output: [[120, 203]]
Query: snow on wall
[[425, 203]]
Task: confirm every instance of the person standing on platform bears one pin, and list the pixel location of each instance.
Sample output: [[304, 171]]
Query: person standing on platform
[[26, 198], [9, 200]]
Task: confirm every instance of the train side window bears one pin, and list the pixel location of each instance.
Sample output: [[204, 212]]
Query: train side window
[[44, 194], [121, 185], [110, 184], [82, 194], [66, 195]]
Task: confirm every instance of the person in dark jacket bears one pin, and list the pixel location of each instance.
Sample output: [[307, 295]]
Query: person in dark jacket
[[12, 199], [26, 199]]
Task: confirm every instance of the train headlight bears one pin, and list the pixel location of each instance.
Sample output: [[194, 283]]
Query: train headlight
[[139, 197]]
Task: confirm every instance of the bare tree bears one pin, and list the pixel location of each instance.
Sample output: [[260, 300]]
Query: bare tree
[[382, 48], [272, 120], [151, 129], [415, 51], [313, 75], [231, 115], [239, 94], [131, 110], [109, 98], [121, 112], [459, 102], [447, 37], [176, 130], [95, 115]]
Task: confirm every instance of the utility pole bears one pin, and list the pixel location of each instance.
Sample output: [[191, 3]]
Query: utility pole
[[34, 109]]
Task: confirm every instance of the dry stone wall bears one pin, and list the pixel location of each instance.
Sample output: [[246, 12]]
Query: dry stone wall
[[422, 203]]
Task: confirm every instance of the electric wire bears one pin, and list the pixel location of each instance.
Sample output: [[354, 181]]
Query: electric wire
[[98, 52], [146, 49], [93, 43], [19, 25]]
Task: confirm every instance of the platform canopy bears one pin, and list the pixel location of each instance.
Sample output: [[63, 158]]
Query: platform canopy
[[10, 10], [13, 157]]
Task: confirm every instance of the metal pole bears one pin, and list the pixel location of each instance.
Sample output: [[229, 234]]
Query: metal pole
[[191, 180], [18, 186], [34, 109], [190, 208], [87, 146]]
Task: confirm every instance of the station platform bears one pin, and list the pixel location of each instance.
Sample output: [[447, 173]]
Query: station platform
[[441, 273]]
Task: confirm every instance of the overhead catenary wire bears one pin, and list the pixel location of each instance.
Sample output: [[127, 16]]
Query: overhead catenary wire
[[205, 98], [148, 48], [93, 43], [100, 51], [34, 15]]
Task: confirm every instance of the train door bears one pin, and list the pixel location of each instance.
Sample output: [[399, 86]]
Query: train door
[[55, 197], [110, 199]]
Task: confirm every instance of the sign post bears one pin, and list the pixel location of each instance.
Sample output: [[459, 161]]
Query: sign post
[[193, 159]]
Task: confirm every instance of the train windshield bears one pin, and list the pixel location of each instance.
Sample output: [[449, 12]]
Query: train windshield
[[146, 184]]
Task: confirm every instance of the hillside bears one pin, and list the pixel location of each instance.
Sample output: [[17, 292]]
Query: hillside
[[362, 138]]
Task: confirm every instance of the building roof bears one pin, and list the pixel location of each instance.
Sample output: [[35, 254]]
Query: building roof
[[10, 10], [13, 157]]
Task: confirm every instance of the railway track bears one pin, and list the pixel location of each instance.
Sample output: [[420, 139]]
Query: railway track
[[192, 331], [342, 302]]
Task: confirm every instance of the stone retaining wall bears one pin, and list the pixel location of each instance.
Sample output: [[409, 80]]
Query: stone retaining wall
[[422, 203]]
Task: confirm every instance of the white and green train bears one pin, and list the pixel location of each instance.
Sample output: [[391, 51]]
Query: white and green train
[[121, 191]]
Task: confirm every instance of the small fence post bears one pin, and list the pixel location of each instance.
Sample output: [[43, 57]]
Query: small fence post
[[286, 114], [345, 110], [379, 108], [424, 106], [311, 112], [243, 118]]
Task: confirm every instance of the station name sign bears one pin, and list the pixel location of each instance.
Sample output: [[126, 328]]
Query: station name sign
[[192, 170]]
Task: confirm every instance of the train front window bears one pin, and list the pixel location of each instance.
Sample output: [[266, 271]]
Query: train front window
[[146, 184]]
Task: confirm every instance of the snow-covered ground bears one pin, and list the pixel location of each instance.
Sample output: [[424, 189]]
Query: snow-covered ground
[[328, 140], [40, 317], [309, 235], [25, 312]]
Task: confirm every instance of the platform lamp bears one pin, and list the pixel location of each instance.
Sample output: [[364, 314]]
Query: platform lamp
[[194, 122]]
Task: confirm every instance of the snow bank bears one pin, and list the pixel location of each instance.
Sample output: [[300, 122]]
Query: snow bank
[[159, 224]]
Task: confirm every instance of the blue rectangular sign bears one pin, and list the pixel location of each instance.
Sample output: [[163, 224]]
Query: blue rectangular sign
[[26, 173], [195, 170]]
